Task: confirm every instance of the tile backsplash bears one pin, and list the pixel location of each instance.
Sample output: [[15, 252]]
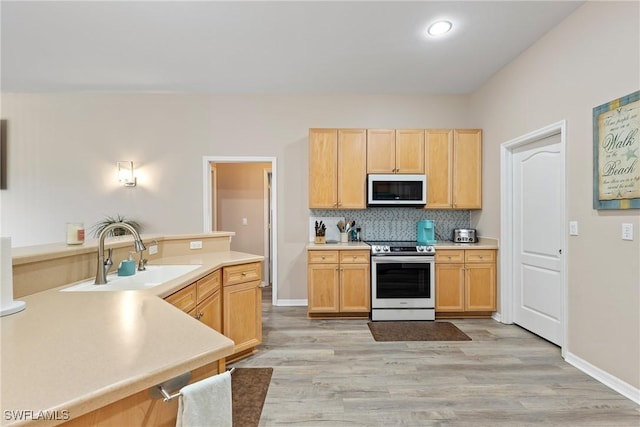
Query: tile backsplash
[[399, 223]]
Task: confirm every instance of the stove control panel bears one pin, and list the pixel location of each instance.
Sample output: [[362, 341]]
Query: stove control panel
[[402, 250], [379, 249]]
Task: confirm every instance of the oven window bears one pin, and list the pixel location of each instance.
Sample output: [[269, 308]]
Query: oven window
[[400, 280]]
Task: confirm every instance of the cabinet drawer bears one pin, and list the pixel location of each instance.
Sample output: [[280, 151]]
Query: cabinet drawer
[[184, 299], [480, 255], [321, 257], [242, 273], [208, 285], [354, 257], [444, 256]]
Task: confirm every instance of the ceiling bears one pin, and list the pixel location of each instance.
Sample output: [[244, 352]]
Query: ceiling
[[268, 47]]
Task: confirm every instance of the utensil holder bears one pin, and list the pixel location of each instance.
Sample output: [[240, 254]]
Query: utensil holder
[[344, 238]]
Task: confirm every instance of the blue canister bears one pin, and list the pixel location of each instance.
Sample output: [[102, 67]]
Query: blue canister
[[127, 268], [426, 230]]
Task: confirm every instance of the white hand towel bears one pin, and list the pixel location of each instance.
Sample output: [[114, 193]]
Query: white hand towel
[[206, 403]]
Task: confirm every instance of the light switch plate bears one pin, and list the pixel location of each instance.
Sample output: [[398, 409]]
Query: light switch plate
[[573, 228], [627, 231]]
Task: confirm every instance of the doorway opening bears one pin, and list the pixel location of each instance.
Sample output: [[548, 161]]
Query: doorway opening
[[239, 195], [533, 247]]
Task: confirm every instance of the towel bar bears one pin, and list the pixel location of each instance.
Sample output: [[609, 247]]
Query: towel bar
[[160, 391]]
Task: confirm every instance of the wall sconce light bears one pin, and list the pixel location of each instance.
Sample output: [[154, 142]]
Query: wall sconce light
[[126, 175]]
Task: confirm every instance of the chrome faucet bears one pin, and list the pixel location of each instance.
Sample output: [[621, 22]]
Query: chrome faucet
[[105, 264]]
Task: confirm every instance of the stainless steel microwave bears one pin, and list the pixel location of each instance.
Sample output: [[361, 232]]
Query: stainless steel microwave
[[396, 190]]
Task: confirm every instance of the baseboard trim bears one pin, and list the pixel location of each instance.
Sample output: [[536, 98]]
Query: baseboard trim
[[291, 302], [614, 383]]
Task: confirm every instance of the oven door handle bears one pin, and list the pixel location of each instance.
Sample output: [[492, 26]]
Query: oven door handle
[[402, 259]]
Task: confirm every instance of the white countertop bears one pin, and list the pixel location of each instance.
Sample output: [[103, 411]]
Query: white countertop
[[79, 351], [483, 243], [338, 246]]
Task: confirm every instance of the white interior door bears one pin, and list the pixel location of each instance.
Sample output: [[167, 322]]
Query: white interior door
[[538, 191]]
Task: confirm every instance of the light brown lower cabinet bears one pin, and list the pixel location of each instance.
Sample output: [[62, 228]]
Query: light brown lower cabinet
[[140, 409], [229, 301], [338, 283], [209, 297], [209, 312], [242, 308], [201, 300], [465, 282]]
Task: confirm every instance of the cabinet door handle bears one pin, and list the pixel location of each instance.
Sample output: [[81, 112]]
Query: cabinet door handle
[[199, 315]]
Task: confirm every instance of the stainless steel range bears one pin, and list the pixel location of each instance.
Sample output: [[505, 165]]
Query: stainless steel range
[[402, 281]]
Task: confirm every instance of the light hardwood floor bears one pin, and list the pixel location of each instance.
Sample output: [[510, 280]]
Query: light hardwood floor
[[332, 373]]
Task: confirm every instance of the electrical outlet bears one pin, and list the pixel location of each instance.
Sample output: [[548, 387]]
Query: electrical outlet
[[627, 231], [245, 221], [197, 244], [153, 249], [573, 228]]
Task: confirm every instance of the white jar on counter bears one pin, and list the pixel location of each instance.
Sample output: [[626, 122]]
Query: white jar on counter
[[75, 233]]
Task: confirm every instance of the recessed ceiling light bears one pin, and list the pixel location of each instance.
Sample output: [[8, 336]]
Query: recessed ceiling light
[[439, 28]]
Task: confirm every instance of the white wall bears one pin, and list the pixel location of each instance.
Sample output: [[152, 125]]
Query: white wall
[[63, 149], [593, 57]]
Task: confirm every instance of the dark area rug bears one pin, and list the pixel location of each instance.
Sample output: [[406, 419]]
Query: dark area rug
[[249, 388], [416, 331]]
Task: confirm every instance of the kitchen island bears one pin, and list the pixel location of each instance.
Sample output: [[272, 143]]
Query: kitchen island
[[71, 353]]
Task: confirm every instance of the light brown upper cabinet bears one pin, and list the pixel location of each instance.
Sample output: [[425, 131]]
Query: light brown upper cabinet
[[337, 168], [453, 160], [395, 151]]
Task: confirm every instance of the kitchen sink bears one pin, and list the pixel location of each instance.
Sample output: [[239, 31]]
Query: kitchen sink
[[154, 275]]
